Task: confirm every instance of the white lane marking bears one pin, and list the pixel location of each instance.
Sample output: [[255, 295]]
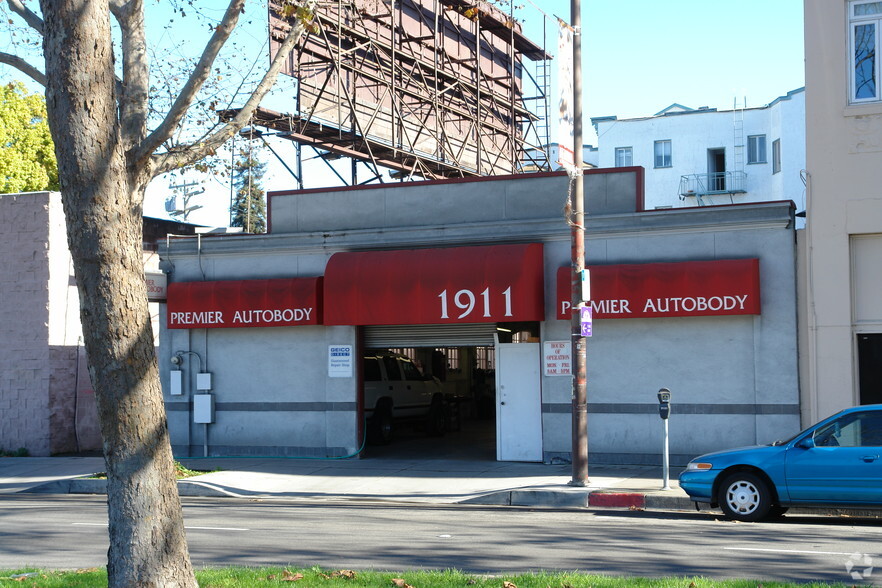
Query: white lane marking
[[789, 551], [193, 528]]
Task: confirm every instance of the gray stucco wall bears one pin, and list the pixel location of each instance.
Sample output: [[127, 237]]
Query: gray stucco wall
[[734, 379]]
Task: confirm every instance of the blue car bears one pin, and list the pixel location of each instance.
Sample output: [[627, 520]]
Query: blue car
[[835, 463]]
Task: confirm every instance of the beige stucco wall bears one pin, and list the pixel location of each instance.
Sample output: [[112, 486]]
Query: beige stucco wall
[[844, 193]]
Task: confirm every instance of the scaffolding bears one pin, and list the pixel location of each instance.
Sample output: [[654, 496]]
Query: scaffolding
[[427, 88]]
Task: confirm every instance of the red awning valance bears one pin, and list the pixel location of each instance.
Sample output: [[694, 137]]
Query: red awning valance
[[497, 283], [689, 288], [244, 303]]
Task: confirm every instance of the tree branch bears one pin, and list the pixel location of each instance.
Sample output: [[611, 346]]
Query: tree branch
[[116, 7], [24, 67], [30, 17], [200, 73], [133, 92], [189, 154]]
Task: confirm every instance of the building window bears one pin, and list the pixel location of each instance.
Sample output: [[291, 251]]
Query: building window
[[865, 19], [624, 157], [776, 156], [663, 153], [756, 149], [485, 358]]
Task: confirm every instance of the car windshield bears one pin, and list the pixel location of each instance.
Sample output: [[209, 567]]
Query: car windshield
[[789, 439]]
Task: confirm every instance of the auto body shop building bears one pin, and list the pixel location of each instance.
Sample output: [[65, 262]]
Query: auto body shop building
[[263, 334]]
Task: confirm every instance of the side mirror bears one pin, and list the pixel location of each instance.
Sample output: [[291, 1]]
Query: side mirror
[[806, 443]]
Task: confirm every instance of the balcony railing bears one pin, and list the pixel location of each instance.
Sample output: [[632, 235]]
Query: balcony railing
[[698, 185]]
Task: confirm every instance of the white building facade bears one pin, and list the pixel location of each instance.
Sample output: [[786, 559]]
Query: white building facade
[[705, 156]]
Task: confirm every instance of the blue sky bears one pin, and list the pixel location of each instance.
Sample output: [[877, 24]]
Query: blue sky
[[638, 56], [693, 52]]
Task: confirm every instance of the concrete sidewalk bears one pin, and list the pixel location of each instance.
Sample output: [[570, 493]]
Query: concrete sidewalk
[[443, 481]]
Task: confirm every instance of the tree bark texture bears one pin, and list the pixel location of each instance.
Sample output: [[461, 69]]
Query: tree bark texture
[[102, 198]]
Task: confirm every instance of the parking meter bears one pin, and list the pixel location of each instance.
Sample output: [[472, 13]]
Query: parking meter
[[664, 411], [664, 403]]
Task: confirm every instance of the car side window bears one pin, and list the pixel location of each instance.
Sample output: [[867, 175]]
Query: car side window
[[842, 432], [372, 370], [853, 430], [391, 365], [411, 371], [871, 430]]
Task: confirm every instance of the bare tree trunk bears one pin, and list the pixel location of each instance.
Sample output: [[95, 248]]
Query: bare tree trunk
[[102, 199]]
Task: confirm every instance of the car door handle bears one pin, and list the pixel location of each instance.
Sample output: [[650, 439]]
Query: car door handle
[[869, 458]]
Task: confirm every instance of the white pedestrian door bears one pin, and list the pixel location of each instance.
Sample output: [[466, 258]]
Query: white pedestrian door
[[518, 402]]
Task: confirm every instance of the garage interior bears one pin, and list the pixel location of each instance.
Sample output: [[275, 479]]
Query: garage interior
[[467, 375]]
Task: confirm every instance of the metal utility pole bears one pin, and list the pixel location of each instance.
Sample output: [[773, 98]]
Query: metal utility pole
[[186, 209], [577, 228]]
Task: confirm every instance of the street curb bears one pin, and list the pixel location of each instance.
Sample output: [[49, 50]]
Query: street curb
[[582, 498], [191, 488], [538, 498], [563, 498], [548, 498], [617, 499]]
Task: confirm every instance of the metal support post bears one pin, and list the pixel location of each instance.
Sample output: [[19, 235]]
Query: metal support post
[[666, 463]]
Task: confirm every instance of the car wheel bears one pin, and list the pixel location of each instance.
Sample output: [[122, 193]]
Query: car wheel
[[436, 421], [380, 425], [745, 496]]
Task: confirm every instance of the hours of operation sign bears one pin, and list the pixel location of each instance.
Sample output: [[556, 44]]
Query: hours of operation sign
[[558, 358]]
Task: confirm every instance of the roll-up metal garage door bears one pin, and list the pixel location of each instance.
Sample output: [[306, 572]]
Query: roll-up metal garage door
[[472, 335]]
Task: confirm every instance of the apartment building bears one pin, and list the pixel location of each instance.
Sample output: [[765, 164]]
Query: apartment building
[[705, 156]]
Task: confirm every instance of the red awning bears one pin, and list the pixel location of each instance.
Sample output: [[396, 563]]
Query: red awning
[[497, 283], [689, 288], [244, 303]]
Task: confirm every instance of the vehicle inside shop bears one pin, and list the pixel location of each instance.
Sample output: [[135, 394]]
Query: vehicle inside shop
[[410, 377]]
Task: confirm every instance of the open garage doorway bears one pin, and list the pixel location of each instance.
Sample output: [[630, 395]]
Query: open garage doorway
[[406, 370]]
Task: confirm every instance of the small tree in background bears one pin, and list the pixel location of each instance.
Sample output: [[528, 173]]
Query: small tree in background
[[27, 155], [249, 206]]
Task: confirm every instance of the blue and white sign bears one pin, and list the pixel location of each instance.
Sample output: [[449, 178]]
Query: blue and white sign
[[340, 361], [585, 320]]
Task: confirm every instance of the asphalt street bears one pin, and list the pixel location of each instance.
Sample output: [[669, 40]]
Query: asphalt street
[[71, 532]]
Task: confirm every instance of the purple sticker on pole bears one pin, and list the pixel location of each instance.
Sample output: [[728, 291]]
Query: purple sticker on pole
[[585, 320]]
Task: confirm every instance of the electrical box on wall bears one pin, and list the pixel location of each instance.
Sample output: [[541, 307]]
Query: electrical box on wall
[[203, 381], [203, 408], [176, 383]]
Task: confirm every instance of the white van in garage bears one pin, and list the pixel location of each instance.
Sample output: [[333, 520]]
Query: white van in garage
[[396, 391]]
